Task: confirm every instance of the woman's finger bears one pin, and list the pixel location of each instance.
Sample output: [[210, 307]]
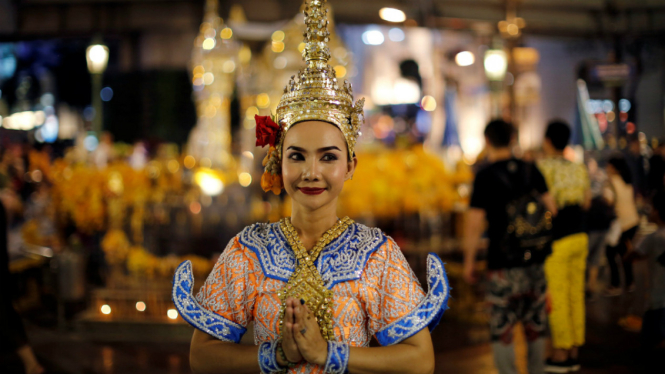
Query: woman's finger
[[287, 325], [311, 344], [291, 305], [306, 324], [298, 312], [287, 335], [309, 319]]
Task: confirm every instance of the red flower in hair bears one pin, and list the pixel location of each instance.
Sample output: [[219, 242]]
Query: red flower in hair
[[267, 131]]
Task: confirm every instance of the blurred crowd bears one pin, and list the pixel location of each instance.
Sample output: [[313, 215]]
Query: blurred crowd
[[16, 355], [553, 224]]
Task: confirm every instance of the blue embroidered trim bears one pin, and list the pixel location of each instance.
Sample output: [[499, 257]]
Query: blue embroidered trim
[[197, 315], [268, 358], [428, 313], [337, 361], [267, 241], [342, 260]]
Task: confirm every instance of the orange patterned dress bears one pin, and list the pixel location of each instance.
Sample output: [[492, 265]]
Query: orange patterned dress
[[375, 290]]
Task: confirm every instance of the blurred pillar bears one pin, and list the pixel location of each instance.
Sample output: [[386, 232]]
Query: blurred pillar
[[97, 56]]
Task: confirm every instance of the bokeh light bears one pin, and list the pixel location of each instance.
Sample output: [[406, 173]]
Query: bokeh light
[[396, 34], [373, 37], [428, 103], [465, 58], [392, 15], [106, 94], [245, 179], [172, 314]]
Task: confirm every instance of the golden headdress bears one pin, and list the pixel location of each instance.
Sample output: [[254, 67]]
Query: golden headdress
[[314, 94]]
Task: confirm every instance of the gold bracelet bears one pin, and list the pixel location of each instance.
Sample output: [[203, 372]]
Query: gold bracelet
[[281, 354]]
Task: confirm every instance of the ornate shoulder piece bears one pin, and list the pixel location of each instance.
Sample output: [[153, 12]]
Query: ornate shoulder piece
[[269, 244], [428, 313], [197, 315], [345, 258]]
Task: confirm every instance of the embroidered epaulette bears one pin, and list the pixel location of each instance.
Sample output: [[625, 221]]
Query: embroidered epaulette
[[342, 260], [267, 241], [429, 311], [197, 315]]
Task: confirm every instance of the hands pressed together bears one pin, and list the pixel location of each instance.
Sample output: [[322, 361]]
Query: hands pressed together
[[301, 338]]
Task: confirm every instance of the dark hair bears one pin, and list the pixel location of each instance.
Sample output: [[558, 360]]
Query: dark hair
[[499, 133], [658, 203], [620, 164], [558, 132]]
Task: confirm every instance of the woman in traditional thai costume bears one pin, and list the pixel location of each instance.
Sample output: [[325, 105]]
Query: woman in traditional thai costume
[[316, 287]]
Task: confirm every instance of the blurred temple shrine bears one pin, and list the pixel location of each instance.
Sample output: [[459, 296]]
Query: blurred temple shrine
[[215, 58]]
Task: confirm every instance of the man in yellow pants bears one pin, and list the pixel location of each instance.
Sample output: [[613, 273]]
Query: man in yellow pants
[[569, 184]]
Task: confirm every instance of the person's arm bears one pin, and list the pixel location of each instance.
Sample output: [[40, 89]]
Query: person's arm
[[550, 204], [538, 182], [586, 202], [208, 355], [29, 360], [640, 251], [413, 355], [474, 226], [229, 292]]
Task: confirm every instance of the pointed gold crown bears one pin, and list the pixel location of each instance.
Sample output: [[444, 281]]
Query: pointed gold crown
[[315, 94]]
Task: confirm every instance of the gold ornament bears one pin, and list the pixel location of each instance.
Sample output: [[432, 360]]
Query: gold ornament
[[315, 93], [306, 282]]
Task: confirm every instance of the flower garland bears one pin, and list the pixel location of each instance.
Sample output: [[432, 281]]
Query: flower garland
[[270, 133]]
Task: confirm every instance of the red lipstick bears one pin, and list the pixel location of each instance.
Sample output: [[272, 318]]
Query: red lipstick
[[311, 190]]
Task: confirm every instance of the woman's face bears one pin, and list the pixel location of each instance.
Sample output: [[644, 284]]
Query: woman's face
[[315, 164]]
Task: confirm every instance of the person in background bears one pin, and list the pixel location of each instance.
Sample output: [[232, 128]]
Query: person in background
[[638, 166], [565, 268], [599, 219], [516, 288], [652, 248], [104, 152], [16, 355], [656, 177], [626, 211]]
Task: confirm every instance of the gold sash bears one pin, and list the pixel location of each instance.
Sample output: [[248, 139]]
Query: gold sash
[[306, 282]]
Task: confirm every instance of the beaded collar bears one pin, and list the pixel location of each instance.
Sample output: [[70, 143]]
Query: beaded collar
[[306, 283], [343, 259]]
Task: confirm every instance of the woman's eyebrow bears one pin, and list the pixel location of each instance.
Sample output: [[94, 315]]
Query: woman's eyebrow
[[320, 150], [325, 149]]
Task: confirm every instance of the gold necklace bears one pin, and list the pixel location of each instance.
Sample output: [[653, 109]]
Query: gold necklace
[[306, 282]]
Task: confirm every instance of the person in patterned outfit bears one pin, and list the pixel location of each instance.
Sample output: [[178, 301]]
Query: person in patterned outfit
[[316, 287], [565, 268]]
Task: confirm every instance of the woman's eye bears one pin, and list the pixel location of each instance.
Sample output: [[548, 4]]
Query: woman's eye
[[296, 156], [329, 157]]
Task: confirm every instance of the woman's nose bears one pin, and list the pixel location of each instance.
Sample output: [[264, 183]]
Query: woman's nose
[[311, 171]]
